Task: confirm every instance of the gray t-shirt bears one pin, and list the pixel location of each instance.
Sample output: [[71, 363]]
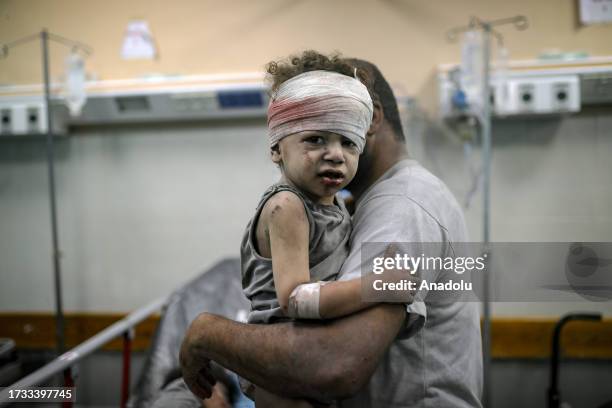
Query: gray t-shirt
[[329, 232], [436, 361]]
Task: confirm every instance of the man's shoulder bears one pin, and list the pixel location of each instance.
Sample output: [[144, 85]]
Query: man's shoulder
[[413, 196], [411, 185]]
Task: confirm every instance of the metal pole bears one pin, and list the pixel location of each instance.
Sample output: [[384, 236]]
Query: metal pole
[[553, 399], [486, 159], [68, 382], [57, 273], [127, 357], [521, 23]]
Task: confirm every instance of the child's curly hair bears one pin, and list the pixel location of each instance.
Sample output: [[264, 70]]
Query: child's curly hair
[[310, 60]]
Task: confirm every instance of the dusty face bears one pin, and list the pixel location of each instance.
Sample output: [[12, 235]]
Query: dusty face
[[318, 163]]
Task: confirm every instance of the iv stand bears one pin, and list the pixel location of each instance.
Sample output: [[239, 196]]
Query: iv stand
[[44, 37], [520, 23]]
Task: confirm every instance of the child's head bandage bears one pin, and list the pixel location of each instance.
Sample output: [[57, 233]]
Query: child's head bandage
[[304, 301], [321, 101]]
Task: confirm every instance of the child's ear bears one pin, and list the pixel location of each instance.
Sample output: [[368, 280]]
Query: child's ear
[[275, 154]]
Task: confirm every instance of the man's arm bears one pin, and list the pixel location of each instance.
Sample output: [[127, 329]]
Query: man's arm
[[322, 361]]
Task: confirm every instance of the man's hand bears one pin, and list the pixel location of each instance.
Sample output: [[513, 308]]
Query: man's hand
[[196, 369]]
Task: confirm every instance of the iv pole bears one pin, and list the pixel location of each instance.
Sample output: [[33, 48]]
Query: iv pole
[[520, 23], [44, 37]]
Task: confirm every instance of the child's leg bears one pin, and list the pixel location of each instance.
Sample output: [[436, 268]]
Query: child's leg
[[265, 399]]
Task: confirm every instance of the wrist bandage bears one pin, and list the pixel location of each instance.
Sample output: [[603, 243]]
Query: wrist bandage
[[321, 101], [304, 301]]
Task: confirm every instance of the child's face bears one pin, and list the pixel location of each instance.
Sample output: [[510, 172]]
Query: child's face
[[318, 163]]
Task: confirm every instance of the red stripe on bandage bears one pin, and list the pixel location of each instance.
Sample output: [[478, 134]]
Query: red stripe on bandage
[[280, 112]]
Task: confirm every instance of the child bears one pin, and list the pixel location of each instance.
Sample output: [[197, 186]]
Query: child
[[296, 242]]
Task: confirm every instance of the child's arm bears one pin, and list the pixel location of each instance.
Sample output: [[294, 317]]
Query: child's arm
[[284, 220], [341, 298], [287, 230]]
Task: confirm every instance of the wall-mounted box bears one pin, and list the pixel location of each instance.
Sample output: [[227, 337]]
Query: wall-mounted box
[[27, 119], [596, 88], [534, 87], [209, 102], [538, 95], [27, 116], [139, 101]]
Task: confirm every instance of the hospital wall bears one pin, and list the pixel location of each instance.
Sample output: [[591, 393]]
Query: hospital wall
[[405, 37], [144, 208]]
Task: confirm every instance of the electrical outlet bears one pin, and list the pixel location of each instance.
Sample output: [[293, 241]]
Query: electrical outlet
[[526, 97], [33, 120], [565, 96], [5, 120]]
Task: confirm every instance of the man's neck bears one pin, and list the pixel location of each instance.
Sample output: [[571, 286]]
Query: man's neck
[[387, 154]]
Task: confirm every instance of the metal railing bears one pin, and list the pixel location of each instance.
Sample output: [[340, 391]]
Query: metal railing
[[64, 363]]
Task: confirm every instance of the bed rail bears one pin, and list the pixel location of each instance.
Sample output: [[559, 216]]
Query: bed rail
[[64, 363]]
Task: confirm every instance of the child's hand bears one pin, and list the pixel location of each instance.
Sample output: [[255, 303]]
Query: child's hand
[[394, 285], [402, 285]]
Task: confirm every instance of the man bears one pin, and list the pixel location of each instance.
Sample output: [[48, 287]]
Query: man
[[423, 354]]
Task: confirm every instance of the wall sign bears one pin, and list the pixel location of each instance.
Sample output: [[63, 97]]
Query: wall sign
[[595, 11]]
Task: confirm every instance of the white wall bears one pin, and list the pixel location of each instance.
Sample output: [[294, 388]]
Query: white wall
[[143, 209], [551, 182]]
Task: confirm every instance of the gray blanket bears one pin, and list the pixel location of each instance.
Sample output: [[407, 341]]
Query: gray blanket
[[217, 290]]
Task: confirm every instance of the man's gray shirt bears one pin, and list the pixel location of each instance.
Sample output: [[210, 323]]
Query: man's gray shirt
[[436, 361]]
